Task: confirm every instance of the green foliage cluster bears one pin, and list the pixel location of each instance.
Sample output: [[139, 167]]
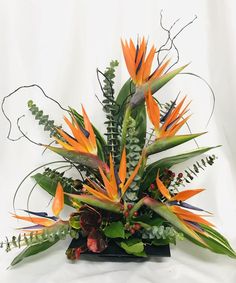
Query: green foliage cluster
[[44, 120], [198, 166], [162, 232], [51, 234], [133, 156], [110, 108]]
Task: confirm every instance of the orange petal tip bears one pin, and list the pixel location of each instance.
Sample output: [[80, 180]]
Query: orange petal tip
[[58, 202]]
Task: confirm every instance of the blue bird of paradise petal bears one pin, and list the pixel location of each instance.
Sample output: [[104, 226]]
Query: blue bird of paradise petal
[[189, 206], [196, 225], [34, 227], [85, 132], [41, 214], [167, 114], [185, 205]]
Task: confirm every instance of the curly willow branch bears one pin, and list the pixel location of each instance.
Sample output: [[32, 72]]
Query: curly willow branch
[[211, 90], [23, 134], [172, 45], [171, 39], [16, 90]]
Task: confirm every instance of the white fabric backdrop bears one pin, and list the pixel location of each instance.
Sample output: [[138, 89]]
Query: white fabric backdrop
[[59, 45]]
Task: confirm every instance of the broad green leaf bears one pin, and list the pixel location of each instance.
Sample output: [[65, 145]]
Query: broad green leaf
[[145, 219], [169, 142], [101, 150], [213, 246], [218, 247], [33, 250], [123, 98], [133, 246], [152, 169], [157, 221], [49, 185], [115, 230], [216, 235], [216, 242], [101, 143], [85, 159], [91, 200], [139, 113]]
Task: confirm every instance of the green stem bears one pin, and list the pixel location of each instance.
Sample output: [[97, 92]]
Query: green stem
[[144, 162], [125, 126], [143, 225], [91, 200], [136, 207]]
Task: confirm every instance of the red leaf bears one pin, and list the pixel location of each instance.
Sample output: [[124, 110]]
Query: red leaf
[[96, 242], [77, 253], [74, 253], [90, 218]]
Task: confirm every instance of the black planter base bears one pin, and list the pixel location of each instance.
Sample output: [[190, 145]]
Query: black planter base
[[113, 251]]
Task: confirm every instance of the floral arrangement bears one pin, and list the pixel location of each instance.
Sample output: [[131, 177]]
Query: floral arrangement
[[120, 196]]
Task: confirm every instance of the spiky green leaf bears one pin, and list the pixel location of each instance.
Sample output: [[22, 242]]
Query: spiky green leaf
[[216, 242]]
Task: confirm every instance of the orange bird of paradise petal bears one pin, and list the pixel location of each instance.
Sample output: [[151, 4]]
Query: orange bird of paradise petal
[[83, 140], [46, 222], [177, 205], [123, 168], [114, 183], [139, 63], [153, 110], [58, 202], [190, 216], [173, 121]]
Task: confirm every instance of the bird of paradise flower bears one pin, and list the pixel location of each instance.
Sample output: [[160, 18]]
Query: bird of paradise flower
[[139, 63], [115, 185], [83, 139], [80, 147], [41, 220], [171, 122], [178, 206]]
